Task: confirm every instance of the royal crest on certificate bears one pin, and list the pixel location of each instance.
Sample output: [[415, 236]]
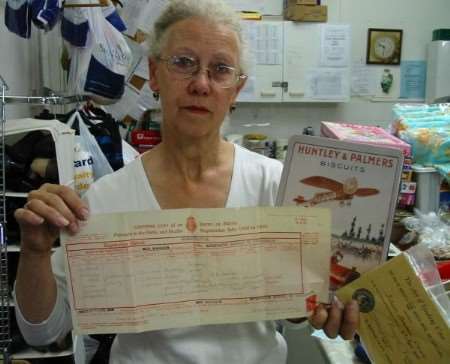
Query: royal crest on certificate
[[142, 271]]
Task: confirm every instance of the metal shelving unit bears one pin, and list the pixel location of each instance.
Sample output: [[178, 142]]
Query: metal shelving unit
[[4, 289], [52, 99]]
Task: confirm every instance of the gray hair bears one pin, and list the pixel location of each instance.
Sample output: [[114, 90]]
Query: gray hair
[[213, 10]]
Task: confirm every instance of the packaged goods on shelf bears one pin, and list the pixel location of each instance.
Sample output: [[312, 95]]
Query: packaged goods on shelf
[[364, 134]]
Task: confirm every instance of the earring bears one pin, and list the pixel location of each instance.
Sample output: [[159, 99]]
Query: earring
[[232, 108], [156, 95]]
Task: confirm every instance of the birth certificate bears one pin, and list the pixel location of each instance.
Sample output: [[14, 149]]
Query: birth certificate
[[142, 271]]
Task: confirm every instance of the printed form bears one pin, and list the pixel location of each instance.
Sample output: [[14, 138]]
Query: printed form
[[142, 271]]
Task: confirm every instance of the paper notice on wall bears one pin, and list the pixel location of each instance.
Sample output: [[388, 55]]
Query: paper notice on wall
[[335, 42], [142, 69], [146, 99], [148, 14], [363, 80], [151, 270], [327, 83], [130, 13], [138, 55], [128, 100], [265, 41], [413, 79]]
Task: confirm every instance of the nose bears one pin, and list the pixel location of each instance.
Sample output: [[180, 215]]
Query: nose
[[201, 82]]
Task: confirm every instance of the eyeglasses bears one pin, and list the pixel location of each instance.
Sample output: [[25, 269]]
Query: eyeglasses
[[221, 74]]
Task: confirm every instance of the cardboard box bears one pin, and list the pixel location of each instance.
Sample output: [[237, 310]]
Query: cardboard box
[[301, 2], [364, 134], [306, 13]]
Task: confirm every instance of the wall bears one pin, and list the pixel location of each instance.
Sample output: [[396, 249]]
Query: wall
[[417, 18], [19, 66]]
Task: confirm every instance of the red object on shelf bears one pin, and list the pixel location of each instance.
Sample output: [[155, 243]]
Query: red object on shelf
[[145, 139], [444, 269]]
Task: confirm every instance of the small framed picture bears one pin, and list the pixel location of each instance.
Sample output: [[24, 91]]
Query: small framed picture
[[384, 46]]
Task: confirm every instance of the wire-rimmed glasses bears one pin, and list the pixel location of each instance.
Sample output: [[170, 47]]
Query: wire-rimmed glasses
[[221, 74]]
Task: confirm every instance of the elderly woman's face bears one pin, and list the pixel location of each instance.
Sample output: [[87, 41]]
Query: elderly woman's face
[[195, 104]]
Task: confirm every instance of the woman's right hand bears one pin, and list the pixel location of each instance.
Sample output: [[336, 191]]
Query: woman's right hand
[[48, 210]]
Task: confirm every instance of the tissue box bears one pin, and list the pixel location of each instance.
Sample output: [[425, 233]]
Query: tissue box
[[306, 13], [364, 134]]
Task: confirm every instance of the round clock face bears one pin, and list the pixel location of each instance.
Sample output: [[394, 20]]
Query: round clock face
[[384, 47]]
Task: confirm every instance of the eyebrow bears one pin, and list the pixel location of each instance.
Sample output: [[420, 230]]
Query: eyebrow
[[220, 56]]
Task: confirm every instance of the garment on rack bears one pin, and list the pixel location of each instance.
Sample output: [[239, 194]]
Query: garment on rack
[[23, 172], [108, 137], [74, 26], [104, 128], [110, 13], [45, 13], [18, 17]]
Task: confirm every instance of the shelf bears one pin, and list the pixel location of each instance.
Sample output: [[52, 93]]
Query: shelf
[[30, 353], [13, 248], [16, 194]]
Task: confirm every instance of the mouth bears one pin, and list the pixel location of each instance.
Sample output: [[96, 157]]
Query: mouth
[[196, 109]]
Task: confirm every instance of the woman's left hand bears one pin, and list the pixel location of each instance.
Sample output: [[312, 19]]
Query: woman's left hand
[[336, 319]]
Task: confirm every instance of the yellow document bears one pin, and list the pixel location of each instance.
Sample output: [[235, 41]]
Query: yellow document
[[399, 321], [142, 271]]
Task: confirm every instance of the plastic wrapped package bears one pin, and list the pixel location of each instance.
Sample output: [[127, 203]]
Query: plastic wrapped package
[[425, 266], [429, 145], [409, 115], [407, 123], [431, 231]]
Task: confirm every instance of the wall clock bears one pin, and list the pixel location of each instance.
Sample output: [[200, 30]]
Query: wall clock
[[384, 46]]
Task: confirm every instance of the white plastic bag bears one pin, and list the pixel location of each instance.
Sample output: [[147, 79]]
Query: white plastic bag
[[92, 155], [83, 175], [100, 68]]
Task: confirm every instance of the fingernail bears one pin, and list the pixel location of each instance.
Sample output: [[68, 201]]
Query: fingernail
[[353, 304], [84, 213], [38, 219], [73, 227], [62, 221], [337, 303]]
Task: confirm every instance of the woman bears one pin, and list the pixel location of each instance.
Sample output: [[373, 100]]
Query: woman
[[197, 69]]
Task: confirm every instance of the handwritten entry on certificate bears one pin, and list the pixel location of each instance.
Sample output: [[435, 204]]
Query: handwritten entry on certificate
[[142, 271], [400, 323]]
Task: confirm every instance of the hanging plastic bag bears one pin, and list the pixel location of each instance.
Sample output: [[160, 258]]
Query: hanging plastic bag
[[88, 156], [75, 26], [18, 17], [101, 67]]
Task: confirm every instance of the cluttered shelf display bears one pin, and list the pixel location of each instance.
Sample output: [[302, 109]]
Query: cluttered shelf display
[[421, 210], [425, 197], [12, 345]]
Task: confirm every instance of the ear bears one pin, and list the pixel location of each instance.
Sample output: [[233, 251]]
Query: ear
[[239, 87], [153, 65]]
